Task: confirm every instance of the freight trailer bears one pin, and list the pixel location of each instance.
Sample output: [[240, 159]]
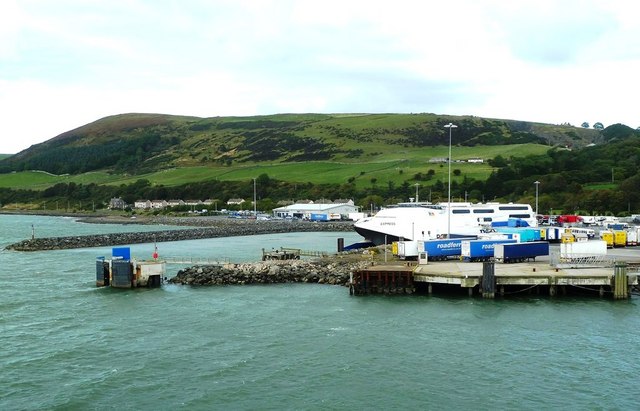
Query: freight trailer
[[554, 234], [522, 234], [407, 249], [519, 252], [437, 250], [583, 250], [632, 236], [607, 236], [619, 238], [480, 250]]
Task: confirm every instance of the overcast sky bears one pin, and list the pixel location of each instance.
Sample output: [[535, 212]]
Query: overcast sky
[[65, 63]]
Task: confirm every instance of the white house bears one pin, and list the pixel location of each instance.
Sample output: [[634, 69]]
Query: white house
[[158, 204], [117, 203], [174, 203], [142, 204]]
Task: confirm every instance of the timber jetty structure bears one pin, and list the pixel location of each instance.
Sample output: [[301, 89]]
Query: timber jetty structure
[[490, 279]]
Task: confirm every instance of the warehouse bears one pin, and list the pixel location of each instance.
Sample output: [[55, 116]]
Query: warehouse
[[322, 211]]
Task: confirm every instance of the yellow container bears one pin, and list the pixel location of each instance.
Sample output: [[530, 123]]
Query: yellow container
[[608, 237], [394, 248], [568, 238], [619, 238]]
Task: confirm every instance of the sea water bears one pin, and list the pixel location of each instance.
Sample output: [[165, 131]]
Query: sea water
[[65, 344]]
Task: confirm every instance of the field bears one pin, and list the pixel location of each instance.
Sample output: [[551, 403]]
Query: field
[[395, 167]]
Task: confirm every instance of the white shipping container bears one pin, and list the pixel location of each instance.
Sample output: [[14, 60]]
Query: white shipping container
[[583, 249], [408, 249]]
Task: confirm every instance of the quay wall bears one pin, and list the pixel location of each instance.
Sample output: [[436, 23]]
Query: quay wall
[[270, 272], [219, 228]]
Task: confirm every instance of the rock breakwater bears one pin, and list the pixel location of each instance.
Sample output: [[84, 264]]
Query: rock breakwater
[[220, 228], [270, 272]]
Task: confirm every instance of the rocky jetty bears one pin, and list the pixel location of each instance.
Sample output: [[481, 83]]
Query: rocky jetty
[[270, 272], [215, 228]]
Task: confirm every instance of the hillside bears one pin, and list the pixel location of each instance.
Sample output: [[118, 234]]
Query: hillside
[[375, 159], [138, 144]]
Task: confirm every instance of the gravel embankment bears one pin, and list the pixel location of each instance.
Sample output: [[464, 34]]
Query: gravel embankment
[[207, 228]]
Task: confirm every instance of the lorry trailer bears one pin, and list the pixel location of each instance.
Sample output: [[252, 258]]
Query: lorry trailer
[[480, 250], [519, 252]]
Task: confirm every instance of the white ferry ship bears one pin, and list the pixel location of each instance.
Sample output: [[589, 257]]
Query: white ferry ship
[[424, 221]]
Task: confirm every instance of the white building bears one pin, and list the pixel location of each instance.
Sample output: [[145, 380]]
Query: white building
[[142, 204], [332, 211], [158, 204], [117, 203], [174, 203]]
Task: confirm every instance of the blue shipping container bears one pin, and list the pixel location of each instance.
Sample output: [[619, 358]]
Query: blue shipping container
[[517, 252], [319, 217], [517, 222], [480, 250], [525, 234], [443, 249]]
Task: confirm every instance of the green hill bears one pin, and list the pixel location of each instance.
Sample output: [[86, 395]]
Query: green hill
[[373, 158], [147, 143]]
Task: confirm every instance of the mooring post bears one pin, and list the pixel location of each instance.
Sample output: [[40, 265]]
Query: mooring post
[[488, 281], [552, 286], [620, 281]]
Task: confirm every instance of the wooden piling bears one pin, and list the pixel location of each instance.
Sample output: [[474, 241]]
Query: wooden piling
[[382, 280], [488, 281], [620, 282]]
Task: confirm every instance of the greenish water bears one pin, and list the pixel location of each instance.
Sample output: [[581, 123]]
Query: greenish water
[[68, 345]]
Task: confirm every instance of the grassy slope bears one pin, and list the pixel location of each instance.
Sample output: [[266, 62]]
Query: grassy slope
[[382, 167], [378, 136]]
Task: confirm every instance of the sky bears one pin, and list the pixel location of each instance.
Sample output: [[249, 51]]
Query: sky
[[66, 63]]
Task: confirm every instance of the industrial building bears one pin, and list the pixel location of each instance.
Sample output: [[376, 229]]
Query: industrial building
[[322, 211]]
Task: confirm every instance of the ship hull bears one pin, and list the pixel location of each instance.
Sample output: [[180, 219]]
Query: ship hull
[[413, 221]]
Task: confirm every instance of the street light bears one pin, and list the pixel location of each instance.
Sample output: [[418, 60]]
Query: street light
[[537, 183], [255, 214], [417, 185], [450, 126]]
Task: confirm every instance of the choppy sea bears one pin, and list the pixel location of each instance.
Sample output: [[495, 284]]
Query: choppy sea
[[65, 344]]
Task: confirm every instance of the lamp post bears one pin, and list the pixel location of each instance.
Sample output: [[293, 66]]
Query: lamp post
[[417, 185], [537, 183], [255, 214], [450, 126]]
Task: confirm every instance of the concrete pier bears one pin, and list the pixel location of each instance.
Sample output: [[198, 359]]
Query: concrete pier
[[488, 279]]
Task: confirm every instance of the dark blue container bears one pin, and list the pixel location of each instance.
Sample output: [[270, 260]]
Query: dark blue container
[[518, 252], [102, 273], [481, 250], [121, 274]]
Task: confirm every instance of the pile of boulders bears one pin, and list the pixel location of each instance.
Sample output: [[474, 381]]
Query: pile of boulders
[[270, 272]]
